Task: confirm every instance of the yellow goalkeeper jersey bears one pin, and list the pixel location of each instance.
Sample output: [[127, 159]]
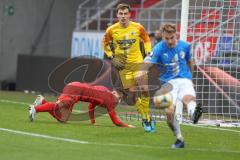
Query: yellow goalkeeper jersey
[[126, 40]]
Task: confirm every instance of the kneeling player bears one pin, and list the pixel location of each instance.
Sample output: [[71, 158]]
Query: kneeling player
[[73, 93]]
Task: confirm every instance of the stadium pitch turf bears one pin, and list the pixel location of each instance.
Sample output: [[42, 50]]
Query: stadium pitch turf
[[47, 139]]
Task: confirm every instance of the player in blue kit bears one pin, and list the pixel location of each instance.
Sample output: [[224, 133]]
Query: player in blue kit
[[174, 56]]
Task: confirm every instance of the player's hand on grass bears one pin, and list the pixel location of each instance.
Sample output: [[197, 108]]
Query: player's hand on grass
[[131, 126], [119, 61], [95, 124]]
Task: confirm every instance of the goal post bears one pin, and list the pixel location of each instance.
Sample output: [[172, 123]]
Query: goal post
[[213, 29], [184, 20]]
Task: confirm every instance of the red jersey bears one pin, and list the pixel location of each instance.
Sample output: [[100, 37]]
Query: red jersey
[[99, 95], [95, 95]]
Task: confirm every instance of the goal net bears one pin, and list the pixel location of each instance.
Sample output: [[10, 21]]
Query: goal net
[[212, 27], [214, 33]]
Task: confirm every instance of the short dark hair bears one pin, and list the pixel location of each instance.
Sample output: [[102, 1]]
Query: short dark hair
[[123, 6], [151, 34]]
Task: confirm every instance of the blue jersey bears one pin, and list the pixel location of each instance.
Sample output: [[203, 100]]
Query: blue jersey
[[173, 61]]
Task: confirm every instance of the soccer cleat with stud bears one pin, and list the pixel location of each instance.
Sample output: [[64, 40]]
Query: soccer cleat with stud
[[197, 113], [32, 112], [39, 100], [146, 125], [178, 144]]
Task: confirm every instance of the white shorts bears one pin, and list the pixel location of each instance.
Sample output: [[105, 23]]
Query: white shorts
[[181, 88]]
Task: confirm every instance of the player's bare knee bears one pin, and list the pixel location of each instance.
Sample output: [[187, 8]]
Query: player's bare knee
[[169, 113], [129, 97], [145, 93], [188, 98]]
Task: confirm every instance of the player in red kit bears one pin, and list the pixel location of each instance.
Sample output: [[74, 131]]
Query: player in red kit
[[74, 92]]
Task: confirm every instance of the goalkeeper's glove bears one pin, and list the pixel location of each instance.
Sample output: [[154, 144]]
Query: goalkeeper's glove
[[119, 61]]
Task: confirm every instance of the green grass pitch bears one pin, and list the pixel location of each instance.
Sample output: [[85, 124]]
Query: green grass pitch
[[47, 139]]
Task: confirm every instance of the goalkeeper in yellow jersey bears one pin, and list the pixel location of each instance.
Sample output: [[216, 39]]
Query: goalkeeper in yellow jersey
[[121, 45]]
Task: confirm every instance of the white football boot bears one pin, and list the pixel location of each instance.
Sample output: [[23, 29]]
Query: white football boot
[[32, 112], [39, 100]]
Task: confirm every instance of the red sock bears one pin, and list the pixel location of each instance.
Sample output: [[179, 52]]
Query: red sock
[[46, 107], [44, 101]]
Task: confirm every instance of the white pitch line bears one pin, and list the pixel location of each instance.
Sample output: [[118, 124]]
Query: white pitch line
[[43, 136], [200, 126], [109, 144], [13, 102], [211, 128], [71, 140]]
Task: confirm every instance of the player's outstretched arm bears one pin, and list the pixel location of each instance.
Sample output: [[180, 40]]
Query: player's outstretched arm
[[91, 108], [117, 122]]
